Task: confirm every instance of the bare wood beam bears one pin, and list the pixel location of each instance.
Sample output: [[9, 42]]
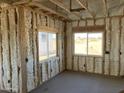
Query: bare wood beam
[[61, 5], [88, 28], [83, 6], [22, 48], [77, 9]]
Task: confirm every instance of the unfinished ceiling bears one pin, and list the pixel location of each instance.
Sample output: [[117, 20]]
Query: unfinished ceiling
[[80, 9]]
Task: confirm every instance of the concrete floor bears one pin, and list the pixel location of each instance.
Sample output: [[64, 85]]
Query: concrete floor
[[76, 82], [2, 91]]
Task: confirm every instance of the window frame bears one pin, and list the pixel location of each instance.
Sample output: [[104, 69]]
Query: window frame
[[48, 30], [87, 55]]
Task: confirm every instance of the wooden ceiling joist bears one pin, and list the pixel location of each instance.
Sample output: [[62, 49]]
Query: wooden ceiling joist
[[61, 5], [77, 9], [85, 7], [40, 6]]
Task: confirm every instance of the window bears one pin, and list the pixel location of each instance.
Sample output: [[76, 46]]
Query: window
[[47, 45], [52, 44], [81, 43], [43, 46], [88, 43], [95, 44]]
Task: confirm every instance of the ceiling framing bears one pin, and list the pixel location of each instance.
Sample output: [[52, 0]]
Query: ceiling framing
[[74, 9]]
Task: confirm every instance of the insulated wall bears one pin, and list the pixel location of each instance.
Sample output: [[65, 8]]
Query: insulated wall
[[112, 61], [20, 70]]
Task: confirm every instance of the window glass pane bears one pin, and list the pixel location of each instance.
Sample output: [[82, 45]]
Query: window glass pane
[[80, 43], [43, 46], [52, 44], [95, 44]]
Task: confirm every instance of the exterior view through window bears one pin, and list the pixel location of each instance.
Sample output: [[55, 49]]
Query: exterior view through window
[[88, 43], [47, 45]]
